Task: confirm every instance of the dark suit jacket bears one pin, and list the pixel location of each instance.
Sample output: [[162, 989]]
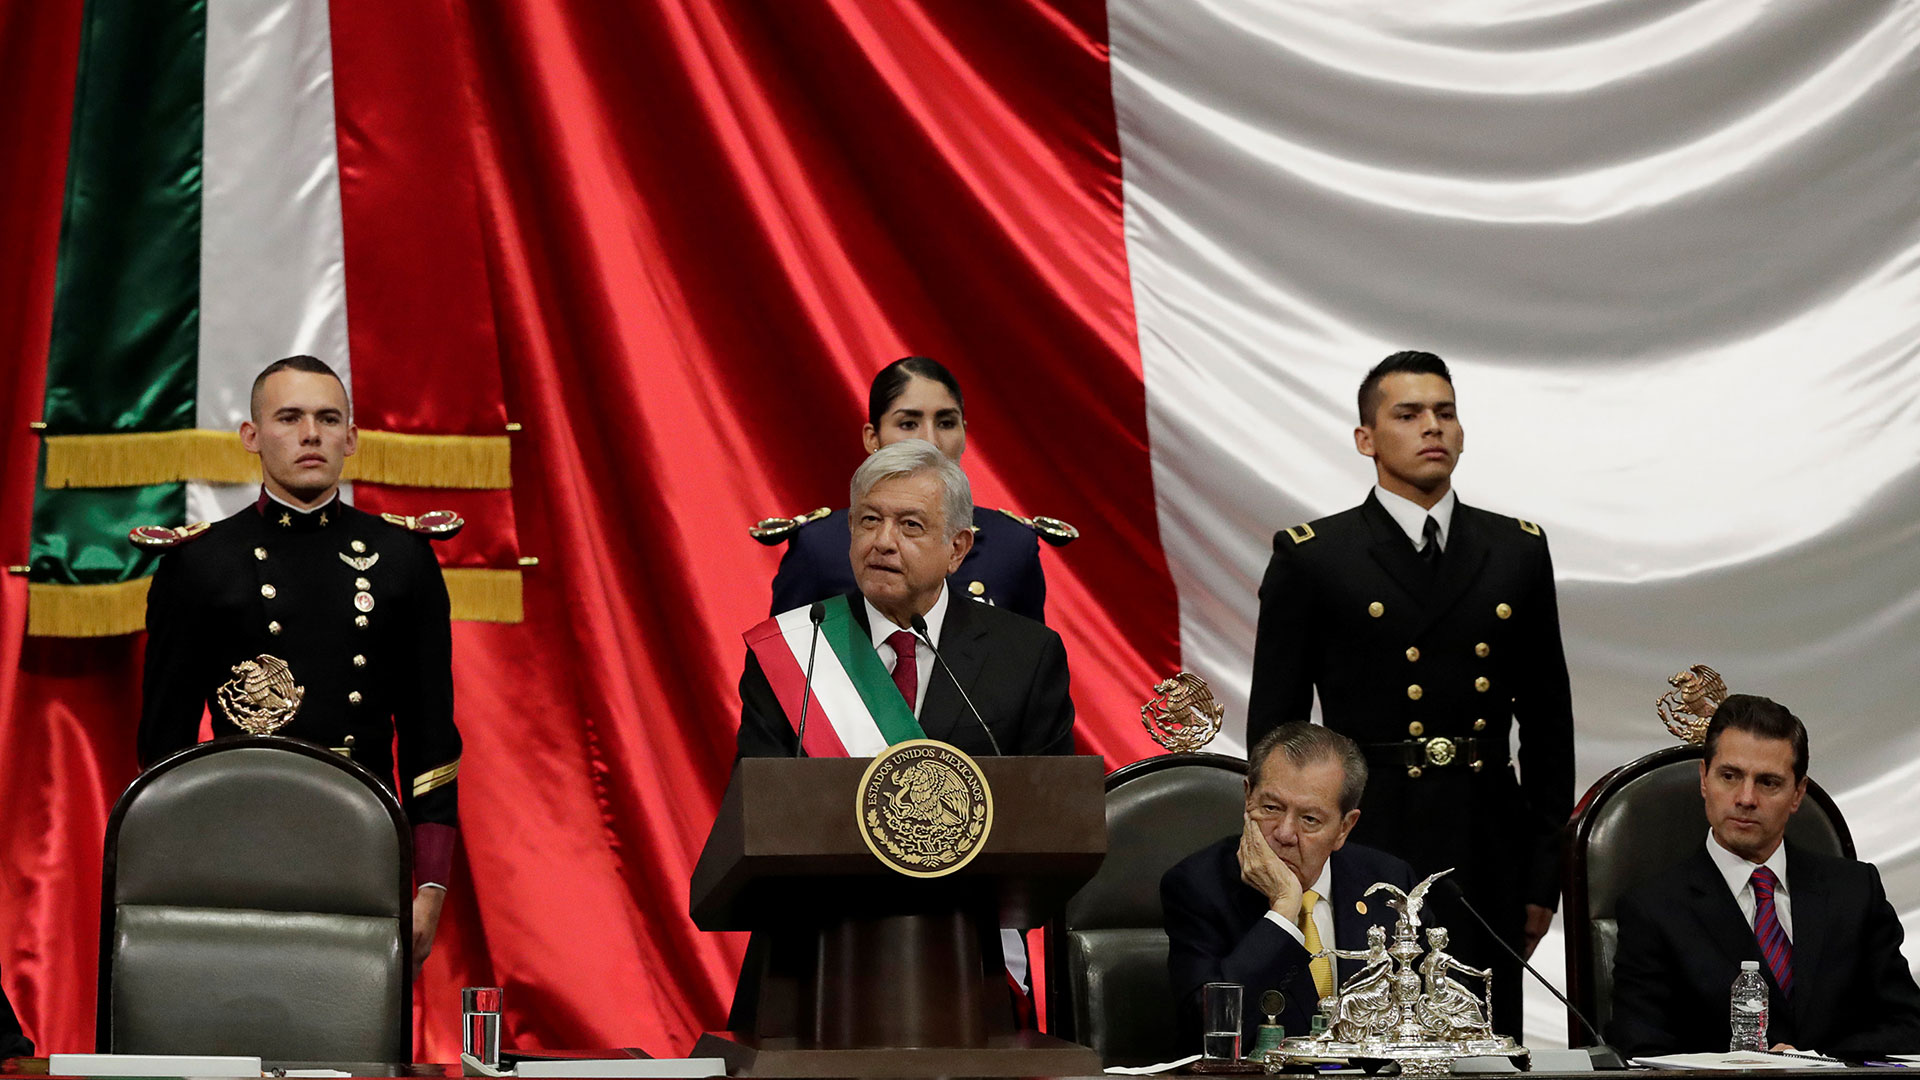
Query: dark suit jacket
[[1682, 938], [1003, 569], [1217, 931], [1013, 668], [13, 1043]]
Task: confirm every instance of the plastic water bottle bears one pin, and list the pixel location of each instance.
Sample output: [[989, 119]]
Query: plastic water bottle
[[1747, 1013]]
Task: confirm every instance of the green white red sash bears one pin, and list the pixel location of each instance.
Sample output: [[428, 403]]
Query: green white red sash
[[857, 710]]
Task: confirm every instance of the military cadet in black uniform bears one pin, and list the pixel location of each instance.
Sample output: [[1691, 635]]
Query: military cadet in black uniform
[[917, 398], [354, 605], [1430, 628]]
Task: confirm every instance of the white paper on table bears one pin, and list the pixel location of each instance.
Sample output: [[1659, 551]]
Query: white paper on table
[[1151, 1070], [152, 1065], [1744, 1059], [677, 1068]]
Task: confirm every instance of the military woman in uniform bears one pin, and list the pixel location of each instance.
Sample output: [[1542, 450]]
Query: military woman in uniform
[[916, 397]]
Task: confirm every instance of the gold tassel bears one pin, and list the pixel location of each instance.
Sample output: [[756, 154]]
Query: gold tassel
[[87, 610], [121, 608], [484, 595], [433, 461], [134, 459]]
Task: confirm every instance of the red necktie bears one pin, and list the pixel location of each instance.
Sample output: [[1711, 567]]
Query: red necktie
[[1769, 933], [906, 673]]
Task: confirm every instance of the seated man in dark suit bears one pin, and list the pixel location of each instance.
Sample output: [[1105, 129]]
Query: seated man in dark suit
[[1252, 909], [1827, 941]]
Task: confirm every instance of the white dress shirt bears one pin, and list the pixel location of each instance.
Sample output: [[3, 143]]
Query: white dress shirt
[[1322, 911], [1412, 517], [1738, 873], [883, 628]]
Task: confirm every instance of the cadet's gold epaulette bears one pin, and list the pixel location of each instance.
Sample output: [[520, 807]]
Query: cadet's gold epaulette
[[160, 536], [434, 524], [774, 530], [1052, 530], [1301, 533], [1528, 527]]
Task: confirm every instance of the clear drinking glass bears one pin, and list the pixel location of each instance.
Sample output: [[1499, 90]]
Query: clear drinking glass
[[480, 1024], [1220, 1016]]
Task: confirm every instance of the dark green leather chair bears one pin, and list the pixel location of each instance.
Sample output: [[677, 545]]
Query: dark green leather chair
[[256, 900], [1107, 956]]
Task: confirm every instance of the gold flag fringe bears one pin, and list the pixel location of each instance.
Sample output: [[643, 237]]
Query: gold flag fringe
[[121, 608], [87, 610], [135, 459], [484, 595]]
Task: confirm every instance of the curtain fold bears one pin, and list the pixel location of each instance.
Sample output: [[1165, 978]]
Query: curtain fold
[[698, 229]]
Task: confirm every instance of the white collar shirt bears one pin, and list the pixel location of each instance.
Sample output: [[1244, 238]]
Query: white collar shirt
[[1322, 911], [883, 628], [1412, 517], [1738, 874]]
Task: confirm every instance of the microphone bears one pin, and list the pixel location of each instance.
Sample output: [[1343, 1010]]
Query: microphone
[[1604, 1056], [815, 614], [920, 631]]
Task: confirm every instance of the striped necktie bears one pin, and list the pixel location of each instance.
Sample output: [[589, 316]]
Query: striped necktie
[[1767, 930]]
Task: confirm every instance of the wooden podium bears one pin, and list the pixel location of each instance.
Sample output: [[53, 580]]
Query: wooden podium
[[858, 970]]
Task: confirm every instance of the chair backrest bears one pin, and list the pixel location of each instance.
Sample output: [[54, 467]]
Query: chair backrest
[[255, 900], [1635, 822], [1107, 955]]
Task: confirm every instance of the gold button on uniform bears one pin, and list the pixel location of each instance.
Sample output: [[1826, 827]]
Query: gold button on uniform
[[359, 661], [1413, 772], [260, 553], [1413, 653], [1416, 729], [978, 588], [1414, 692], [357, 546], [360, 620], [1481, 650], [362, 583], [1481, 684], [273, 628], [1376, 609], [267, 591], [1479, 725], [353, 698], [1503, 610]]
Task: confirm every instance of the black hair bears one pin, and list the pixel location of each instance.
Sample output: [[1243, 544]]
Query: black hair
[[1307, 744], [893, 379], [1761, 717], [311, 364], [1410, 361]]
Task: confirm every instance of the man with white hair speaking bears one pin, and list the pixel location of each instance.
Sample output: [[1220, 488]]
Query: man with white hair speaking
[[877, 679]]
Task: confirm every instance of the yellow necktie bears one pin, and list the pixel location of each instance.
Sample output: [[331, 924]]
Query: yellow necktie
[[1322, 966]]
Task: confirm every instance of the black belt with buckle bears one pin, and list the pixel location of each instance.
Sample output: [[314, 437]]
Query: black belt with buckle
[[1417, 756]]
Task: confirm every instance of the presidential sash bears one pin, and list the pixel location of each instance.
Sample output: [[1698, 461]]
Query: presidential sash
[[857, 710]]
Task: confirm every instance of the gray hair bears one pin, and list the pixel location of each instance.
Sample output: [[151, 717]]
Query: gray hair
[[1309, 744], [911, 457]]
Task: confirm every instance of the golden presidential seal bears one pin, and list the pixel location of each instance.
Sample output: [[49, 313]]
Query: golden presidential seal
[[924, 808], [261, 698]]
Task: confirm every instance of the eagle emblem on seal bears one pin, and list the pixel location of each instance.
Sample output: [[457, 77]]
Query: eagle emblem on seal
[[261, 698], [1688, 707], [1182, 715], [924, 808]]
